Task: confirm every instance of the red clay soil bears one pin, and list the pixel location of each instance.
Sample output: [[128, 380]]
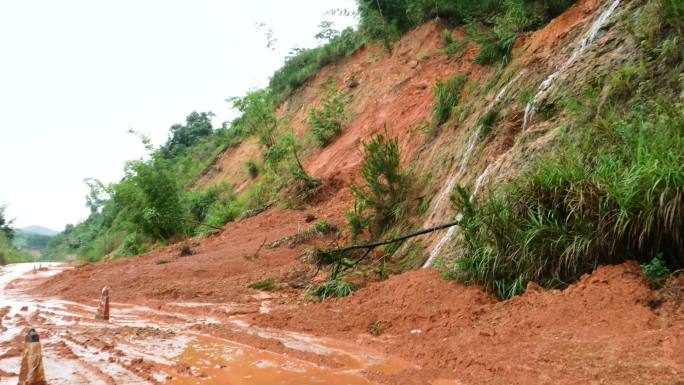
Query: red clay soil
[[601, 330]]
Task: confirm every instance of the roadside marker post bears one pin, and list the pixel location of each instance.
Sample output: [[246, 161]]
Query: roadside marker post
[[103, 306], [32, 372]]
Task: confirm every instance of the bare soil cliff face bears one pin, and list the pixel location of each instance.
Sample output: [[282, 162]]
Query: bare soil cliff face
[[608, 328]]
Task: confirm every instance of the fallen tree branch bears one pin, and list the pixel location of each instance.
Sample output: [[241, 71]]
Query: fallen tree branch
[[373, 245], [336, 258]]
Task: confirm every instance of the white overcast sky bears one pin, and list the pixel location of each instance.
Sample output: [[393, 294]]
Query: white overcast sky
[[75, 75]]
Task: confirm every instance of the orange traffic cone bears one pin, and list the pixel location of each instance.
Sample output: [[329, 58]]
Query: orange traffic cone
[[103, 307], [32, 372]]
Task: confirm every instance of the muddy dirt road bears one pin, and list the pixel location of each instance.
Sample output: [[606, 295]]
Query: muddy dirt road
[[140, 345]]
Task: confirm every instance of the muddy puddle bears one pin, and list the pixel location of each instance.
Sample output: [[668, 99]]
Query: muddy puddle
[[140, 345]]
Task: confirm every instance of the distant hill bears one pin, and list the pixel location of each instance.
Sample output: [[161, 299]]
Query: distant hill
[[35, 229]]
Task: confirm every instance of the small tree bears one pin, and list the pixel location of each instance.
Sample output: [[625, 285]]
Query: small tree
[[197, 126], [379, 202], [257, 115]]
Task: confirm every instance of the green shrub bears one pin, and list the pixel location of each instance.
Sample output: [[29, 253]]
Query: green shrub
[[224, 211], [252, 169], [152, 199], [326, 122], [283, 160], [673, 12], [323, 227], [450, 46], [257, 116], [495, 47], [447, 94], [332, 288], [380, 201], [133, 244], [266, 284], [656, 271], [200, 201]]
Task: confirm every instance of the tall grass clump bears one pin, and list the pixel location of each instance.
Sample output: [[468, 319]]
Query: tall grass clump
[[610, 190], [447, 94], [621, 197], [331, 288]]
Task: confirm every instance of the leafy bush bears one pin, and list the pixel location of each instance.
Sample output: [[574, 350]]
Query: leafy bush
[[447, 94], [380, 201], [257, 116], [332, 288], [197, 125], [151, 198], [495, 46], [214, 207], [224, 211], [133, 244], [326, 122], [151, 204], [323, 227], [656, 271], [673, 12], [266, 284], [252, 169], [201, 201], [282, 161]]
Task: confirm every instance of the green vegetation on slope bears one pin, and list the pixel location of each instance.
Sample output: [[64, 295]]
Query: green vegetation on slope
[[156, 203], [494, 24], [9, 253], [611, 190], [447, 94]]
